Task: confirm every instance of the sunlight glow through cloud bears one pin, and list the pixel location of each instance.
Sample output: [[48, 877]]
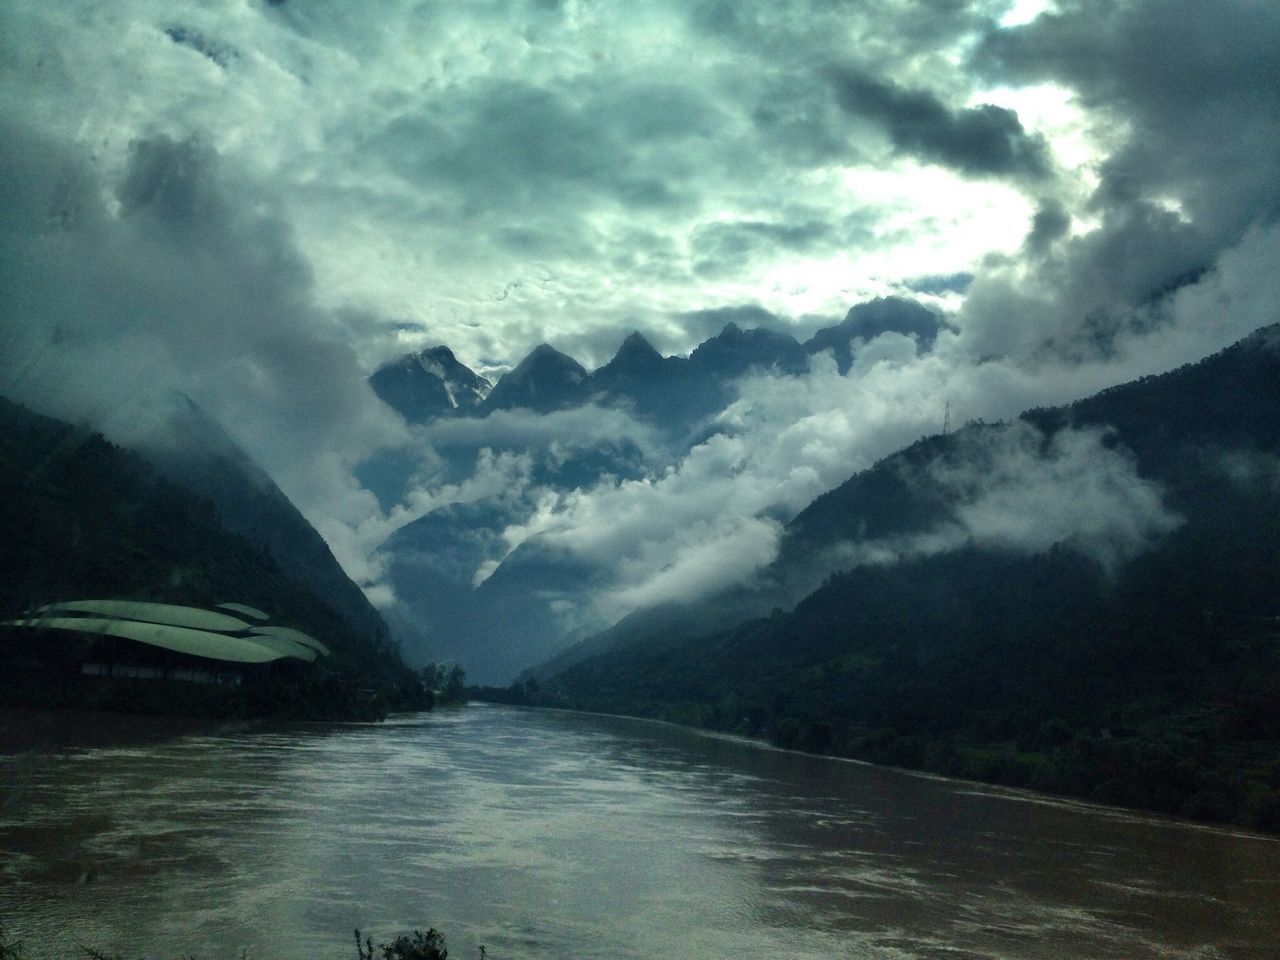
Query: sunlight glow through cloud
[[1024, 11]]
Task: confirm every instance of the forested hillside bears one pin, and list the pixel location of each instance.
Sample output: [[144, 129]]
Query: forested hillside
[[87, 519], [1083, 601]]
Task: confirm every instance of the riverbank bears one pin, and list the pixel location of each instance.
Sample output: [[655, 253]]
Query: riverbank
[[1156, 771], [29, 730]]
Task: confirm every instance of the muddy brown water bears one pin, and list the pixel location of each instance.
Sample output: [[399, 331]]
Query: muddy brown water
[[554, 835]]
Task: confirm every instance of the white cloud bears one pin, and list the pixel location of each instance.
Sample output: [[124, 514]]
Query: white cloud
[[503, 174]]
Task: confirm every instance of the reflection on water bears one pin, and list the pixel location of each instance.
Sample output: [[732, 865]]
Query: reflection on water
[[544, 834]]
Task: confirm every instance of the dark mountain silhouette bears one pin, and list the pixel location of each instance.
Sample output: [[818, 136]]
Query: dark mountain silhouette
[[665, 391], [734, 351], [545, 380], [675, 393], [88, 519], [636, 358], [191, 448], [866, 321], [678, 396], [426, 385], [432, 563]]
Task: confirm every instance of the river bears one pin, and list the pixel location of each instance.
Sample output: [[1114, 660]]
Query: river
[[543, 834]]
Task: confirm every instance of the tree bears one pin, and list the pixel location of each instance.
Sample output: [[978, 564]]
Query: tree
[[455, 684]]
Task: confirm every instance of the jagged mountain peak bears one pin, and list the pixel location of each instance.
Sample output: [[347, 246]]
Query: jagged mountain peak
[[544, 380], [546, 357], [439, 354], [635, 351], [733, 351], [866, 321], [422, 386]]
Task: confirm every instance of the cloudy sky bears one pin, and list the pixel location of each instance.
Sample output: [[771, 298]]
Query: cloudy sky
[[258, 201]]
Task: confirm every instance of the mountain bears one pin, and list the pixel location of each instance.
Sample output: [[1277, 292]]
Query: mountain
[[636, 359], [545, 380], [477, 601], [426, 385], [85, 518], [866, 321], [665, 390], [733, 352], [432, 564], [1182, 429], [190, 448], [1081, 601], [636, 372], [676, 400], [670, 391]]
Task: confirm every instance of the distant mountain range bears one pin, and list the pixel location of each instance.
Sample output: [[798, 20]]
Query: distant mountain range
[[665, 390], [503, 622], [1082, 600]]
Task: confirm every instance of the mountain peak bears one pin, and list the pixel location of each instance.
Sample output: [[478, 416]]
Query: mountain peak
[[440, 354], [425, 385], [866, 321], [544, 380], [635, 351], [734, 351], [545, 356]]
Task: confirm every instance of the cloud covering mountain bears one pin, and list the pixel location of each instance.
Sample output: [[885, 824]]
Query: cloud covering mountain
[[261, 203]]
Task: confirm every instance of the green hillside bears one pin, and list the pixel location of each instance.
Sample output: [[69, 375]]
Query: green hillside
[[1150, 679], [85, 518]]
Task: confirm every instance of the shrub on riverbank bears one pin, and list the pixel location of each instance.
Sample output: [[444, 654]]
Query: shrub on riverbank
[[416, 946]]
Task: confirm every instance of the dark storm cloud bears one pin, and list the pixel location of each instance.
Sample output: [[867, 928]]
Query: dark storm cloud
[[1050, 223], [218, 52], [795, 118], [1189, 90], [979, 141], [725, 248], [940, 283], [788, 96], [795, 30], [1196, 83]]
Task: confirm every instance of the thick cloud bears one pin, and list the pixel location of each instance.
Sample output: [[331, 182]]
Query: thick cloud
[[982, 141], [1013, 490], [1181, 97], [951, 283], [1193, 83], [1050, 224], [510, 173], [1018, 493], [174, 286]]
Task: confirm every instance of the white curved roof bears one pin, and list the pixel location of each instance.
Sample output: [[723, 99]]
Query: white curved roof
[[190, 630]]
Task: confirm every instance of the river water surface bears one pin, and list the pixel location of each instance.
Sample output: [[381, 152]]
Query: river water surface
[[554, 835]]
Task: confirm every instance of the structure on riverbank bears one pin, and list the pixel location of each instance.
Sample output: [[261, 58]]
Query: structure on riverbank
[[161, 641]]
